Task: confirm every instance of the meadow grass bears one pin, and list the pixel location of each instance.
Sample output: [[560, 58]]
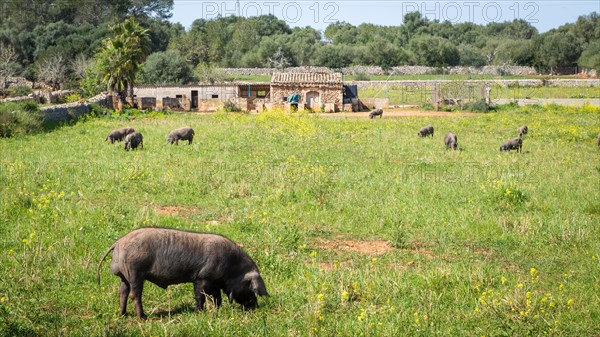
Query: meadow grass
[[477, 242], [401, 95]]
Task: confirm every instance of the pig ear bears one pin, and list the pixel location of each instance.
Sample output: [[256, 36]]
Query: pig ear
[[257, 285]]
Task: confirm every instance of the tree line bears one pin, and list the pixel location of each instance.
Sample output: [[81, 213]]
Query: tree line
[[61, 42]]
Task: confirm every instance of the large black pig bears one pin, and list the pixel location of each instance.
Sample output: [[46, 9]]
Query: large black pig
[[168, 256], [117, 135]]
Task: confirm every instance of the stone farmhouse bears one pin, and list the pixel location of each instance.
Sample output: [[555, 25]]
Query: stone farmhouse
[[319, 91]]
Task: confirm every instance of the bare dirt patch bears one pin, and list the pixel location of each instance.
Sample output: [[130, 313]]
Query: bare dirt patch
[[175, 210], [187, 212], [364, 247], [376, 247]]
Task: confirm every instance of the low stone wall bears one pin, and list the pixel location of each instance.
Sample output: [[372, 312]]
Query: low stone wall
[[69, 111], [494, 70], [65, 112], [401, 70], [18, 99], [14, 82], [573, 83]]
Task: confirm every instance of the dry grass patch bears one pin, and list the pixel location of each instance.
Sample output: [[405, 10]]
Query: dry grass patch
[[376, 247], [175, 210]]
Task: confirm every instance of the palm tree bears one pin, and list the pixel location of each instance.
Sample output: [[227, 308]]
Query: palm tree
[[120, 59]]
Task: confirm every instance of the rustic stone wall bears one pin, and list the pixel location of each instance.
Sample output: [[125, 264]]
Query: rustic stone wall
[[333, 95], [401, 70], [13, 82], [66, 112]]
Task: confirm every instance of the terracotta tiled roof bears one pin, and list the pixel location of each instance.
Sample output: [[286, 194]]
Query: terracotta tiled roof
[[309, 77]]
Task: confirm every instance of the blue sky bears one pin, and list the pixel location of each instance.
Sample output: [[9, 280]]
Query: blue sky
[[544, 15]]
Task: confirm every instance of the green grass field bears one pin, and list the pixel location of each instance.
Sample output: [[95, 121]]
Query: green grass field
[[358, 226], [418, 96]]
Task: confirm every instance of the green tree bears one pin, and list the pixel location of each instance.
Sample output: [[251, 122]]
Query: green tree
[[302, 44], [434, 51], [167, 67], [120, 59], [590, 58], [412, 24], [558, 49], [192, 46], [341, 33], [141, 9], [514, 52], [335, 56], [208, 73], [471, 56], [382, 53]]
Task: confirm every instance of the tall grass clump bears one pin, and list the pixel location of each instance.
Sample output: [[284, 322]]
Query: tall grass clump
[[23, 118]]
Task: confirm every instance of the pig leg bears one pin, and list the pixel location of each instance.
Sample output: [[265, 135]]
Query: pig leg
[[123, 292], [200, 294], [215, 295], [137, 288], [203, 288]]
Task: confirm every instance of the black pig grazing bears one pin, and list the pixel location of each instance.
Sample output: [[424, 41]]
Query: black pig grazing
[[133, 140], [523, 129], [181, 134], [426, 131], [168, 256], [451, 141], [513, 144], [376, 112], [117, 135]]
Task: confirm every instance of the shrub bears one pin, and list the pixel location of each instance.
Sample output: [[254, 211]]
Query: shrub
[[426, 106], [510, 106], [90, 85], [21, 91], [230, 106], [74, 97], [477, 106], [361, 77], [98, 110], [19, 118], [506, 194]]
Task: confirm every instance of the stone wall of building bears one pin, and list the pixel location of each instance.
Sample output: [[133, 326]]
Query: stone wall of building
[[204, 92], [326, 94]]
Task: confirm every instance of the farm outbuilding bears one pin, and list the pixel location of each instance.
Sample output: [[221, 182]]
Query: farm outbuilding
[[185, 97], [319, 91]]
